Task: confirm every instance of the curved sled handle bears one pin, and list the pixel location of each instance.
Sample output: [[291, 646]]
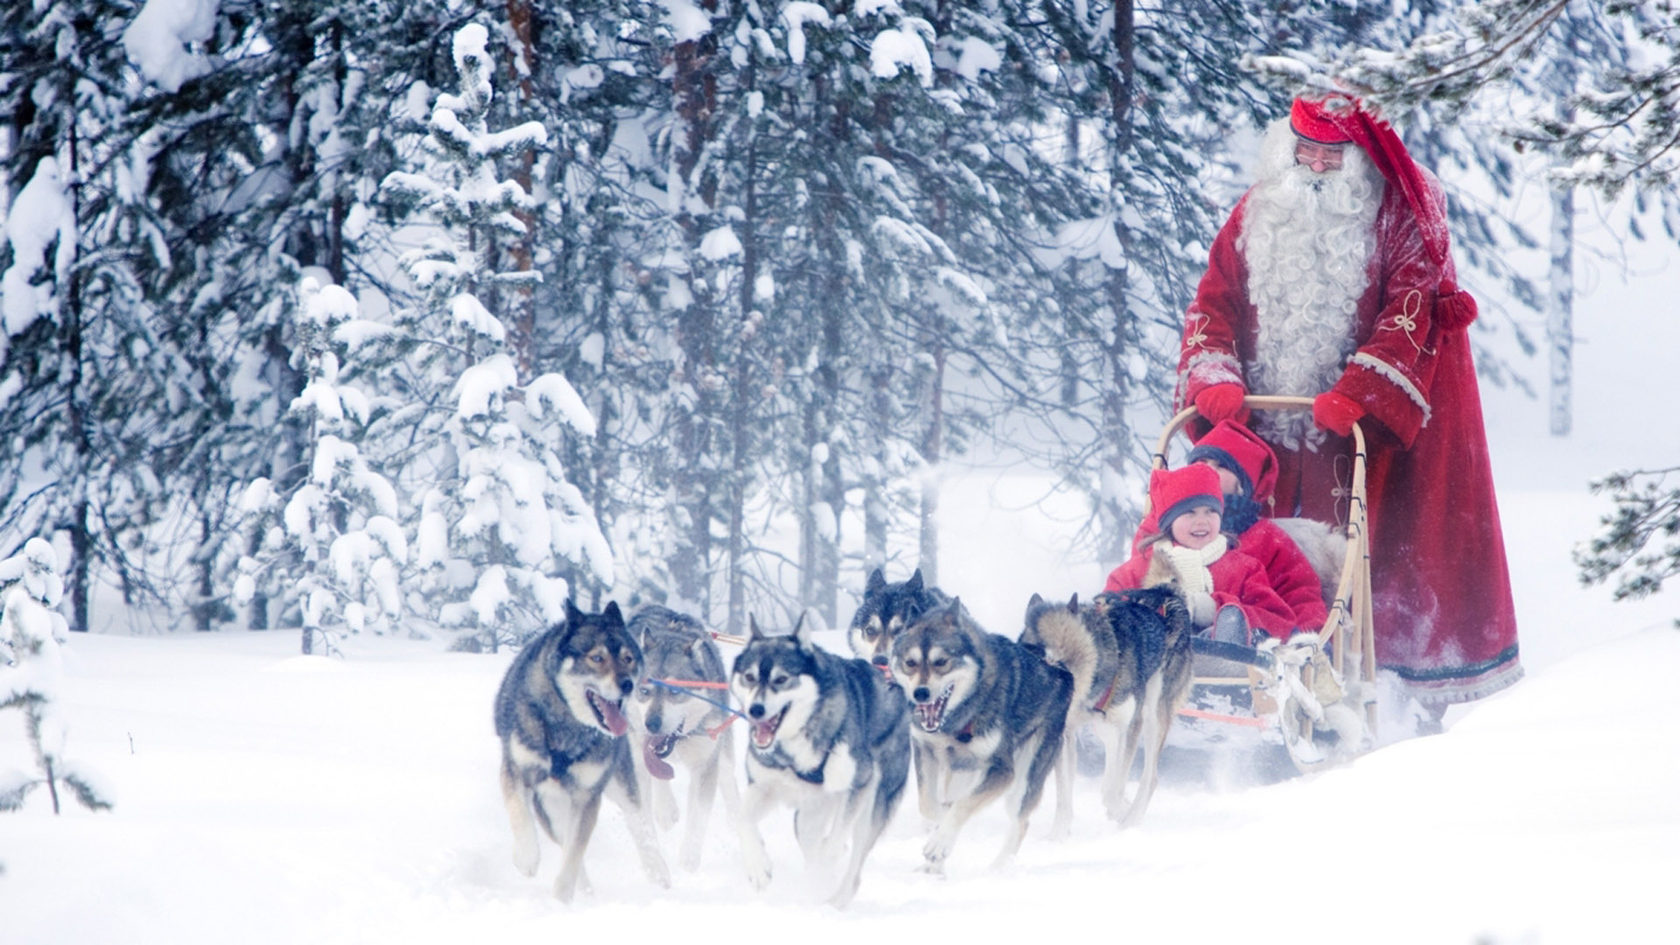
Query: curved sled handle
[[1253, 402]]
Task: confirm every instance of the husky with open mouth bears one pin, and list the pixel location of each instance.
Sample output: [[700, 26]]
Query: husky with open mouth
[[560, 717], [986, 719], [679, 714], [826, 736]]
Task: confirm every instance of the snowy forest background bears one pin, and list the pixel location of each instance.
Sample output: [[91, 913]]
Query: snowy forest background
[[416, 318]]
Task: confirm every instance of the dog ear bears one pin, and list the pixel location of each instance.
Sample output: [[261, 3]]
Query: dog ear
[[612, 613], [876, 583], [801, 634], [753, 633], [1073, 603], [573, 615], [914, 585]]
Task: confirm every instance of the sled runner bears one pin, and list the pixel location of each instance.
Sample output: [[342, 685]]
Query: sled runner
[[1317, 691]]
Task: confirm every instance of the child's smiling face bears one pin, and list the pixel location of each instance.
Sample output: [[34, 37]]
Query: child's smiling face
[[1196, 528]]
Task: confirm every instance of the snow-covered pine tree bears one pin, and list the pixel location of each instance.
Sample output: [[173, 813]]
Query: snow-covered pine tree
[[498, 519], [329, 548], [84, 381], [31, 672], [600, 234]]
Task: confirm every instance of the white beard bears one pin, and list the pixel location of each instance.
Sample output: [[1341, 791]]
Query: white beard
[[1308, 239]]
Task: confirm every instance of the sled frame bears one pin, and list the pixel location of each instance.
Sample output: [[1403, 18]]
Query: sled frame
[[1286, 677]]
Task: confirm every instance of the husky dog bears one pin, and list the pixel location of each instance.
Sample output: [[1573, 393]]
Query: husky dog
[[669, 720], [1130, 657], [827, 736], [560, 716], [979, 703], [884, 612]]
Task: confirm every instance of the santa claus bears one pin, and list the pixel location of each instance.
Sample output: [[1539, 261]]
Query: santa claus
[[1332, 279]]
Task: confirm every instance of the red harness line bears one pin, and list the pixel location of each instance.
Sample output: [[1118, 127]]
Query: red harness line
[[1249, 721]]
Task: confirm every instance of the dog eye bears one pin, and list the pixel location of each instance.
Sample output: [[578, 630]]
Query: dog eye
[[750, 679], [911, 665], [941, 663], [871, 632], [597, 658], [778, 681], [675, 695], [646, 692]]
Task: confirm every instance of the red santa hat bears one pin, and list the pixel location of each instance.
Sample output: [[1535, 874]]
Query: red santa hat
[[1177, 491], [1340, 119], [1239, 449]]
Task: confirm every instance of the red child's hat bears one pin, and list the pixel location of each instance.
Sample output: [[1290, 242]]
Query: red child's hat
[[1239, 449], [1176, 491]]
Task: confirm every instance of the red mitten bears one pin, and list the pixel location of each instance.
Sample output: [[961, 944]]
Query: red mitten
[[1222, 402], [1333, 412]]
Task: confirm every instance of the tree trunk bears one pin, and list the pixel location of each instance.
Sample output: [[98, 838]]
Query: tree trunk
[[933, 444], [694, 98], [522, 308], [1117, 433], [1560, 306]]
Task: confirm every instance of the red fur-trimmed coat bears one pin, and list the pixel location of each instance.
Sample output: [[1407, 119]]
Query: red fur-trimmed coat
[[1238, 580], [1287, 569], [1445, 622]]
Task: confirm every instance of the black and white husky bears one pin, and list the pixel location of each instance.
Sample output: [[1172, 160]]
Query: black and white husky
[[987, 716], [827, 736], [679, 714], [885, 610], [560, 717]]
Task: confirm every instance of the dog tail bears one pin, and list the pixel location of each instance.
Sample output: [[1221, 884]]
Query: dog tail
[[1065, 636]]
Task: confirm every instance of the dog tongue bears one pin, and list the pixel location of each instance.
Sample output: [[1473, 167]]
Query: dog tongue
[[617, 724], [656, 765]]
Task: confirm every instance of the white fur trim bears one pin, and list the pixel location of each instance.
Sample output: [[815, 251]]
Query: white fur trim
[[1214, 367], [1394, 376]]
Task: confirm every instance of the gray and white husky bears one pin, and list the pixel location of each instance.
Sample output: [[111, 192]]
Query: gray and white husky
[[678, 713], [827, 736], [985, 711], [1131, 662], [560, 716]]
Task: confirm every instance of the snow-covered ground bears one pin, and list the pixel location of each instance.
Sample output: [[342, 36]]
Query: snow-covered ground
[[264, 797]]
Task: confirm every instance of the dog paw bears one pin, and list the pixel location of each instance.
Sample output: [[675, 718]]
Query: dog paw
[[689, 859], [938, 848], [526, 857], [758, 873]]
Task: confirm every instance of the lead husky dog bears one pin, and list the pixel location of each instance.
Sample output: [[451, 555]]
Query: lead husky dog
[[678, 712], [979, 703], [560, 716], [884, 612], [1130, 657], [827, 736]]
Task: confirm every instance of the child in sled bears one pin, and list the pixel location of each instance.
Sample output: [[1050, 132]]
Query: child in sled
[[1248, 471], [1226, 591]]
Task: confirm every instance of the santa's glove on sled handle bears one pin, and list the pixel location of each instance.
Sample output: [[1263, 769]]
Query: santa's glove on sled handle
[[1222, 402], [1336, 413]]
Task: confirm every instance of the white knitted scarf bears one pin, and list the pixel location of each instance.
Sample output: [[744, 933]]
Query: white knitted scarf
[[1191, 564]]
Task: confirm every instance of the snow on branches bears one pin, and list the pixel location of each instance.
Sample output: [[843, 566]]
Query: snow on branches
[[31, 671]]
